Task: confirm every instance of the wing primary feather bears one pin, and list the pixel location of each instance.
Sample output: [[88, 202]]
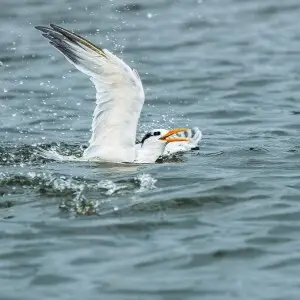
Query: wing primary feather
[[77, 39], [65, 51], [62, 47], [56, 32], [43, 29]]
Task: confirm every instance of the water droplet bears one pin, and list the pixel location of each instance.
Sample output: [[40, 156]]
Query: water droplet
[[32, 174]]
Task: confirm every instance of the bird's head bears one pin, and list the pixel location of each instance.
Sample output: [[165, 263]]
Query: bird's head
[[154, 142], [161, 137]]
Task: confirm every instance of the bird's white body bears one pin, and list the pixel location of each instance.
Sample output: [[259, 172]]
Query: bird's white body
[[119, 101]]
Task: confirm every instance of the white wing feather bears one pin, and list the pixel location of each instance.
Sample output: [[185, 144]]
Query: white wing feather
[[120, 95], [120, 99]]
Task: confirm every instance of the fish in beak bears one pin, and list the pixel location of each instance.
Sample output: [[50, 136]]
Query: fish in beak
[[168, 139]]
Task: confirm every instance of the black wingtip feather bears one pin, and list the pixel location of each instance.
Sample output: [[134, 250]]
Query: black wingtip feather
[[63, 39], [65, 51], [58, 40], [77, 39], [67, 34], [42, 28], [56, 27]]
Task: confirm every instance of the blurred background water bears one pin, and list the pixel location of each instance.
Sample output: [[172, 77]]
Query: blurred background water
[[221, 223]]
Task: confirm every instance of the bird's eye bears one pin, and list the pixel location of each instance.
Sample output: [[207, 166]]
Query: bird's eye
[[156, 133]]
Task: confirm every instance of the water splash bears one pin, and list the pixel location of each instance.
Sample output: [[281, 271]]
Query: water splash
[[146, 181], [30, 154], [53, 154], [77, 195]]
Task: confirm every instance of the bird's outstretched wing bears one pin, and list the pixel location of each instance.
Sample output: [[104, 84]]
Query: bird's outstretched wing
[[120, 95]]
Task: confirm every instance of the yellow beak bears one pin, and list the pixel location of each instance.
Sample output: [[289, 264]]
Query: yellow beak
[[175, 139]]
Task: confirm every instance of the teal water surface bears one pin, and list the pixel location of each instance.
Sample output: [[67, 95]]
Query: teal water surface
[[219, 223]]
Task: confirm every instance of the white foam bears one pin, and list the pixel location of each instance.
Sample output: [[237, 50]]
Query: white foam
[[54, 155], [147, 182]]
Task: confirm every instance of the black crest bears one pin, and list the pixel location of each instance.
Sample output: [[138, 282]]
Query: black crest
[[149, 134]]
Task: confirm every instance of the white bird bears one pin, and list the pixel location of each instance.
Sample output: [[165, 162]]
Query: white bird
[[120, 98]]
